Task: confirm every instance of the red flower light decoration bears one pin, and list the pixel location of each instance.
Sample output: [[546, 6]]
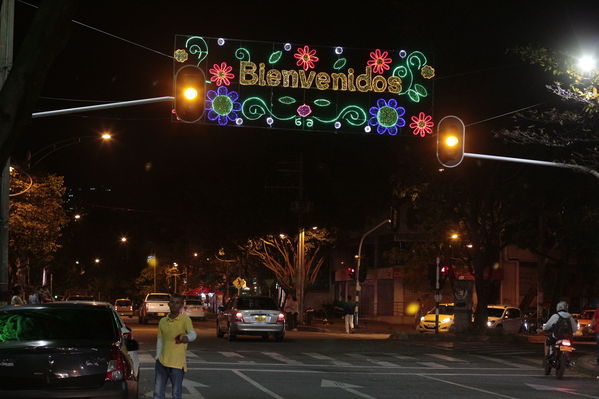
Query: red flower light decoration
[[379, 61], [304, 110], [306, 57], [422, 124], [221, 74]]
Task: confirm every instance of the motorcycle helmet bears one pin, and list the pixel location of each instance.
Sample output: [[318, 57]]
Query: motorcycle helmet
[[562, 306]]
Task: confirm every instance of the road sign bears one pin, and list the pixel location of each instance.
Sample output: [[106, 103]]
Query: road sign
[[239, 283]]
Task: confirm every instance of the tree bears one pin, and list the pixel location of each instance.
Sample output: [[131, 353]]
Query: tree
[[280, 255], [37, 218]]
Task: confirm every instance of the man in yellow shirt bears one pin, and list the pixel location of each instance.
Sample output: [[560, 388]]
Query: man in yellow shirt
[[175, 331]]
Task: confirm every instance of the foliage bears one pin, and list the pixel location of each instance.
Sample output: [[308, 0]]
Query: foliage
[[37, 218]]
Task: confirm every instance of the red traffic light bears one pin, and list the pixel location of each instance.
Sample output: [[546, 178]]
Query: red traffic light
[[451, 135], [190, 89], [444, 269]]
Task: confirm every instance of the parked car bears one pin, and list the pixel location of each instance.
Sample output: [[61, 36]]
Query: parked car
[[195, 309], [124, 307], [155, 306], [584, 323], [250, 315], [66, 350], [508, 318], [427, 322]]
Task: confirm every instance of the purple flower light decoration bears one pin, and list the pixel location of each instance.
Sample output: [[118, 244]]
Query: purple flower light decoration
[[222, 105], [387, 116], [304, 110]]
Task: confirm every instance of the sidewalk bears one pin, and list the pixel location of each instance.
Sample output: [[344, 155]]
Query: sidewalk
[[365, 327]]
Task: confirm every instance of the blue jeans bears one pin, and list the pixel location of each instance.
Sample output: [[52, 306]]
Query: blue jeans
[[161, 377]]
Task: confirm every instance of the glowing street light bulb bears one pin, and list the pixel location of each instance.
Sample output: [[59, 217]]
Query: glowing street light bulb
[[587, 63], [77, 217], [190, 93], [282, 235], [454, 236], [195, 254], [123, 239], [97, 260], [315, 228], [451, 141], [106, 136]]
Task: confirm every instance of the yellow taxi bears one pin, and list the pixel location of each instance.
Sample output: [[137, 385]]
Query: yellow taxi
[[584, 323], [427, 322]]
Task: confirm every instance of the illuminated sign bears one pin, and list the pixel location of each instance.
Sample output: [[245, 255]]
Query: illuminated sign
[[305, 87]]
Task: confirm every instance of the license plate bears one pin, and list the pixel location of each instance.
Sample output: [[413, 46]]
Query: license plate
[[161, 314], [260, 318], [565, 348]]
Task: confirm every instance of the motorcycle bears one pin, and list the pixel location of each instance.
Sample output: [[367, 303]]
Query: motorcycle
[[559, 358]]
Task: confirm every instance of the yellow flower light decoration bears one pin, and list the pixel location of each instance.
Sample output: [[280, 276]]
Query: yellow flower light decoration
[[181, 55], [427, 72]]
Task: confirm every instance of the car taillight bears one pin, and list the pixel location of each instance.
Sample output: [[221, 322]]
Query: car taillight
[[116, 369], [566, 342], [238, 316], [147, 307], [281, 318]]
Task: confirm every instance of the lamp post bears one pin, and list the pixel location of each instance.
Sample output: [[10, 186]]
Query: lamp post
[[358, 287]]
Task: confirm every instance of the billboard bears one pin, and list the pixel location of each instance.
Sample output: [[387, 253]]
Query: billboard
[[298, 86]]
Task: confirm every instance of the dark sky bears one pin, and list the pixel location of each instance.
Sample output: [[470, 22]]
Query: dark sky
[[213, 178]]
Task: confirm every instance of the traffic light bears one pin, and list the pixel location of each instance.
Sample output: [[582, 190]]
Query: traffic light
[[190, 93], [451, 134], [351, 273]]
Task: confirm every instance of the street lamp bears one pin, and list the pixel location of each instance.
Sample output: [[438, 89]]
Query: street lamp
[[123, 240], [106, 136], [587, 63], [77, 217], [97, 260]]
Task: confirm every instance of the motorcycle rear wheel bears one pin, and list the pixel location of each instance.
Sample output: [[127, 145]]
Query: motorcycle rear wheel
[[561, 365], [546, 366]]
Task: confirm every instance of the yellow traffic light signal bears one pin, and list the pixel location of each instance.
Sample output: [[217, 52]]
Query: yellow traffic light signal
[[190, 87], [451, 134]]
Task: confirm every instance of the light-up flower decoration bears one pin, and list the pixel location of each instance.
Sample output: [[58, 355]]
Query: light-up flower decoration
[[222, 105], [387, 116], [427, 72], [379, 61], [306, 57], [221, 74], [422, 124], [304, 110], [181, 55]]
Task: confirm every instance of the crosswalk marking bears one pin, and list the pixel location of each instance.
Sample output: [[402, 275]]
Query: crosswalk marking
[[232, 354], [192, 355], [145, 358], [502, 361], [433, 365], [444, 357], [325, 357], [402, 357], [281, 358], [373, 361]]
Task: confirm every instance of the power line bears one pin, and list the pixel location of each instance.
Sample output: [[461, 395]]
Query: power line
[[108, 34], [502, 115]]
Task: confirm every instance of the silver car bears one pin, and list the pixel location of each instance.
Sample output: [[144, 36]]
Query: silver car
[[250, 315]]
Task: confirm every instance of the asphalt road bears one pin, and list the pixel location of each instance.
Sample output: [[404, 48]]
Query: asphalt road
[[332, 365]]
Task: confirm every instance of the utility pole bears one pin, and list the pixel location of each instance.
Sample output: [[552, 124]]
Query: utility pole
[[7, 13], [437, 295]]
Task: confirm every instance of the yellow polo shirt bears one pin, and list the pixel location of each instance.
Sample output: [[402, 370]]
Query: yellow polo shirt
[[173, 354]]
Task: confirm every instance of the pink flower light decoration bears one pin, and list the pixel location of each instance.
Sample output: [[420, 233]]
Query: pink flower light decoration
[[221, 74], [306, 58], [422, 124], [304, 110], [379, 61]]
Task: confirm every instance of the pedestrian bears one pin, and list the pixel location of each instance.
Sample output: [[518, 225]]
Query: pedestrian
[[595, 327], [348, 314], [175, 331], [36, 297], [17, 296], [291, 310]]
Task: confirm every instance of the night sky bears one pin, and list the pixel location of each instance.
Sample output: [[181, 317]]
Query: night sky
[[177, 183]]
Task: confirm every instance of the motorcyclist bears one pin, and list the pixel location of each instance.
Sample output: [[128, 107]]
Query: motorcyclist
[[552, 325]]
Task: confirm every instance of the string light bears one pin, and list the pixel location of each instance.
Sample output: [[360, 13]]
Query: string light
[[338, 50], [239, 121], [220, 41], [287, 46], [270, 121]]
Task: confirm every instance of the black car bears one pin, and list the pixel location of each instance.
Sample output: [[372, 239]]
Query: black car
[[65, 350]]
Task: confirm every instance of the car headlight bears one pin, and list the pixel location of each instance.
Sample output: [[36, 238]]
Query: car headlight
[[578, 324], [446, 320], [489, 323], [422, 318]]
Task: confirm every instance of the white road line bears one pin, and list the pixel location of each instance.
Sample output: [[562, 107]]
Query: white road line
[[506, 362], [538, 360], [445, 357], [434, 365], [468, 387], [281, 358], [232, 354], [401, 357], [146, 358], [191, 355], [257, 385], [371, 360], [328, 358]]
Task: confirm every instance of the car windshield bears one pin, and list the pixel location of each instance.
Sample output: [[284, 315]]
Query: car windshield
[[159, 297], [588, 314], [494, 312], [256, 303], [22, 324], [443, 309], [123, 302]]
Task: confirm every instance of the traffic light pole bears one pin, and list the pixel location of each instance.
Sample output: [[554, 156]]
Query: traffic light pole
[[437, 295], [577, 168], [358, 287]]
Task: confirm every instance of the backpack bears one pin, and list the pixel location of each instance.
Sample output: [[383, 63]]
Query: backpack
[[562, 328]]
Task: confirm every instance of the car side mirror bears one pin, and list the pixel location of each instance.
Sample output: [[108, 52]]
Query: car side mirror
[[131, 345]]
